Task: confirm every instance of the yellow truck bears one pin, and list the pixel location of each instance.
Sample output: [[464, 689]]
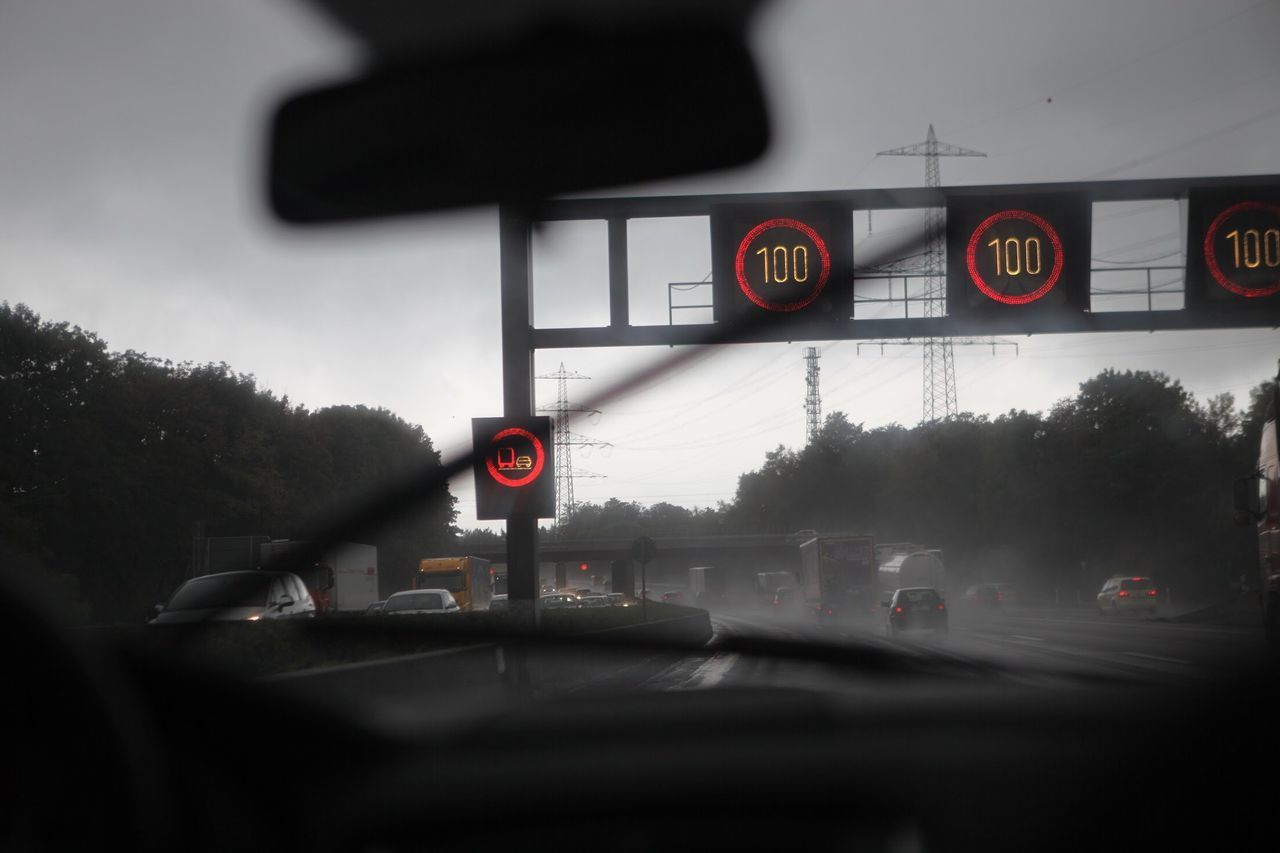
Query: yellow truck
[[470, 579]]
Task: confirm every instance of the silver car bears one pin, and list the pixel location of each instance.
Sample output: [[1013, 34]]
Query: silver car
[[248, 596], [417, 601]]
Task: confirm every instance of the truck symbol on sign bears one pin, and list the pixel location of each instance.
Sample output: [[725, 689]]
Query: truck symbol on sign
[[507, 460]]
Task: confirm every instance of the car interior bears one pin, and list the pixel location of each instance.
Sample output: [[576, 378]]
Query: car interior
[[113, 745]]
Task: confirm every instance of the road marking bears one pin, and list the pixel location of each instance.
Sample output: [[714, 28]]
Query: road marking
[[1157, 657], [710, 673], [1025, 637]]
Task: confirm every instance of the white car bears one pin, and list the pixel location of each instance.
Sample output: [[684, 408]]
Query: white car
[[415, 601], [558, 600]]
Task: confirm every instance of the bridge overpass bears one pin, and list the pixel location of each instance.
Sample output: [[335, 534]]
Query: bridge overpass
[[741, 555]]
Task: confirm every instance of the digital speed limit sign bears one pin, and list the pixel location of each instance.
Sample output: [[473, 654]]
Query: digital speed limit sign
[[787, 261], [1233, 248], [1017, 255]]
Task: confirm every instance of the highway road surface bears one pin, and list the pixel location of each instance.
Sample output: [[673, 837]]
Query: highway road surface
[[1054, 646], [1031, 643]]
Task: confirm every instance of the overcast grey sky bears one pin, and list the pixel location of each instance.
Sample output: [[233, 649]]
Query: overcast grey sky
[[129, 205]]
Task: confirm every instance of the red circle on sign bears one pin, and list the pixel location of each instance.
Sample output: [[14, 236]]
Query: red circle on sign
[[540, 458], [739, 264], [1211, 256], [971, 257]]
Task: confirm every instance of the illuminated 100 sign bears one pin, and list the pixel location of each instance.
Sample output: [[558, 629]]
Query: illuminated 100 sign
[[779, 259], [1260, 248], [779, 276], [1234, 246], [781, 264], [1016, 256]]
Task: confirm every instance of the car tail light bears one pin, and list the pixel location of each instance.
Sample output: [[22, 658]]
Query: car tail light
[[897, 609], [942, 607], [1122, 594], [1151, 592]]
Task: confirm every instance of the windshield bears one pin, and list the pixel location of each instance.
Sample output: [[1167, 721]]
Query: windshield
[[415, 601], [988, 330], [237, 590], [195, 387]]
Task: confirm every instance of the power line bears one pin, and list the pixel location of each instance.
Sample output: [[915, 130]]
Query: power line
[[565, 440], [812, 398], [939, 365]]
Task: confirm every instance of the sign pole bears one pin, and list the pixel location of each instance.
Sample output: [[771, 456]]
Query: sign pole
[[644, 592], [642, 551], [517, 401]]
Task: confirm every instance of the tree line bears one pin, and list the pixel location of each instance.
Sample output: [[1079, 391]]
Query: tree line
[[110, 460], [1130, 475]]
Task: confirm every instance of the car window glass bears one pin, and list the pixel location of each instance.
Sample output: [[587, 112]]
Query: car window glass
[[415, 601], [231, 590]]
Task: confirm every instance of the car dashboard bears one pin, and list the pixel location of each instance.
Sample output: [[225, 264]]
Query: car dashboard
[[957, 760]]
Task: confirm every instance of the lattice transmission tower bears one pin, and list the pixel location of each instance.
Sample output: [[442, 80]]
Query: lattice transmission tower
[[812, 399], [564, 440], [939, 363]]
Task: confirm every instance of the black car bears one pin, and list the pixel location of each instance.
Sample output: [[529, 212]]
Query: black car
[[916, 609]]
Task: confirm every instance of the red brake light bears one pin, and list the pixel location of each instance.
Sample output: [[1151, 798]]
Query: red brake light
[[1151, 592], [1135, 579], [583, 567], [897, 609], [942, 606], [1122, 593]]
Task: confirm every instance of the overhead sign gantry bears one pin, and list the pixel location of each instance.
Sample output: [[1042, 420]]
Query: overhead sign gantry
[[784, 268]]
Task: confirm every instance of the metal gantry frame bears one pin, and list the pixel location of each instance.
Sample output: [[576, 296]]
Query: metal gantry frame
[[521, 341]]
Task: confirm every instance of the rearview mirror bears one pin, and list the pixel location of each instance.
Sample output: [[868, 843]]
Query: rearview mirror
[[560, 110], [1250, 494]]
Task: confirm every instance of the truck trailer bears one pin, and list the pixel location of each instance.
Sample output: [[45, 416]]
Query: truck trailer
[[471, 580], [838, 576], [343, 580], [708, 586], [912, 569]]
